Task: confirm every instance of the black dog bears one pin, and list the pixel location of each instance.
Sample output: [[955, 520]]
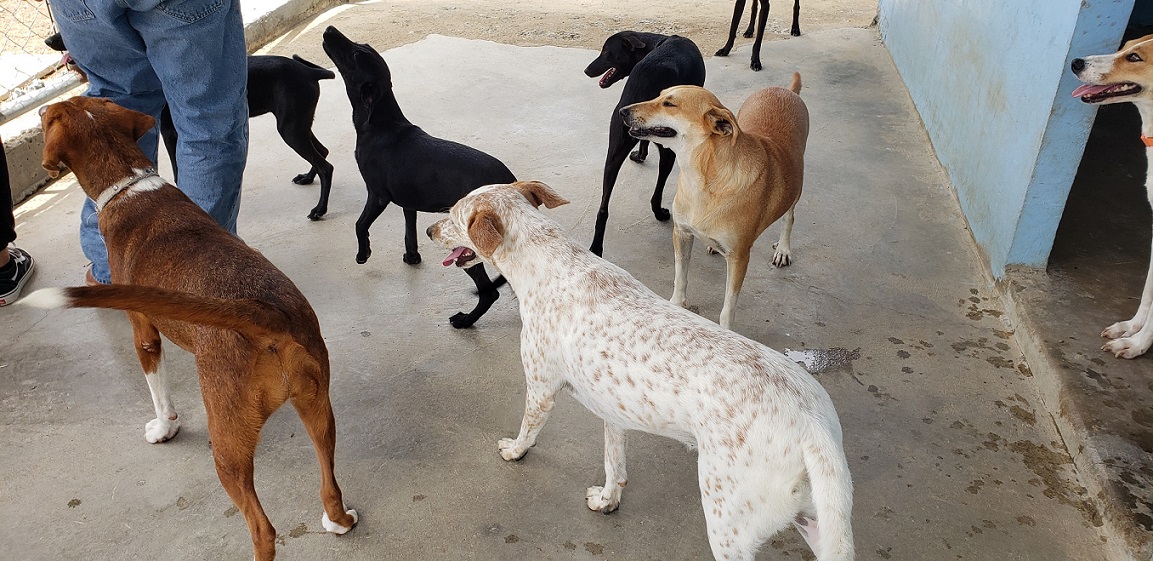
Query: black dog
[[653, 62], [738, 8], [289, 88], [402, 164]]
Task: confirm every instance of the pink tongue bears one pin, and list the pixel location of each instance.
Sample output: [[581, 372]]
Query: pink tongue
[[456, 253], [1087, 89]]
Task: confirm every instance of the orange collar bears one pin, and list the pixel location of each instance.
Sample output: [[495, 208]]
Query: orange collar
[[1148, 141]]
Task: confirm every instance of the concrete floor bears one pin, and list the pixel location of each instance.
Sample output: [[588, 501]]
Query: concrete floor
[[951, 451]]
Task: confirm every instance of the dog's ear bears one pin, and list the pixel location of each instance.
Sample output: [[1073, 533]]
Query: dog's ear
[[55, 144], [722, 121], [633, 43], [538, 194], [486, 231], [138, 123]]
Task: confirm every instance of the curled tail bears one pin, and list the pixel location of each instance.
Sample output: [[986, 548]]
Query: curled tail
[[796, 85], [831, 535], [321, 72], [247, 316]]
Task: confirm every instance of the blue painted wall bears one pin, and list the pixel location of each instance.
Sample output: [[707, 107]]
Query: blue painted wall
[[990, 79]]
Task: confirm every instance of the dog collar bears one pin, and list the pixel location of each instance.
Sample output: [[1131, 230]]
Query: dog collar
[[107, 195]]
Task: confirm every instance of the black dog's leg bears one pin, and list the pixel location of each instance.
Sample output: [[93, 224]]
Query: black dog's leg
[[665, 167], [298, 136], [411, 254], [796, 30], [752, 20], [485, 289], [641, 152], [372, 209], [737, 9], [168, 132], [756, 62], [619, 145], [307, 177]]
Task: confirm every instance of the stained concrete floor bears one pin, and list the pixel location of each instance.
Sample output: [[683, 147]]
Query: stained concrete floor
[[952, 455]]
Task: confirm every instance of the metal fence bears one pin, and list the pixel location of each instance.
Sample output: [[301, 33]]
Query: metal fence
[[30, 72]]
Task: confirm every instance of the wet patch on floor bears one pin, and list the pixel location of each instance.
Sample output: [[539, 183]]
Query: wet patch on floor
[[816, 361]]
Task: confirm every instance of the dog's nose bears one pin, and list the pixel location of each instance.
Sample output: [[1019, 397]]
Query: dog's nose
[[428, 232], [1078, 65]]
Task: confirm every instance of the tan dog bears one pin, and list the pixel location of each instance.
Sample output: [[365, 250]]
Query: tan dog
[[175, 271], [1126, 75], [738, 175]]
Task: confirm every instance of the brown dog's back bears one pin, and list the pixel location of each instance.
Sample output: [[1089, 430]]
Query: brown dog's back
[[777, 114]]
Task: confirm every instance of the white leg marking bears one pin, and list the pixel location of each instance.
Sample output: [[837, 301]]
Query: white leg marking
[[333, 527], [166, 424], [606, 499]]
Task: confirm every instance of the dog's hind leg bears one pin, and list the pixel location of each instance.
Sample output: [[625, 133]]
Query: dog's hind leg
[[151, 355], [619, 145], [235, 416], [539, 398], [744, 502], [487, 293], [298, 136], [796, 30], [737, 9], [315, 410], [664, 169], [752, 19], [372, 209], [782, 257], [737, 260], [755, 64], [411, 252], [606, 499]]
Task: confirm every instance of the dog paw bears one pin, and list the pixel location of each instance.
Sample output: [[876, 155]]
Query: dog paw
[[781, 257], [755, 65], [317, 213], [637, 156], [722, 52], [160, 430], [510, 450], [1126, 347], [712, 250], [304, 179], [362, 257], [461, 320], [333, 527], [1121, 329], [662, 214], [597, 501], [412, 258], [748, 34]]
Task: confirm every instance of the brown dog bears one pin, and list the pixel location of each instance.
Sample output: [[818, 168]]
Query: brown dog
[[738, 175], [175, 271]]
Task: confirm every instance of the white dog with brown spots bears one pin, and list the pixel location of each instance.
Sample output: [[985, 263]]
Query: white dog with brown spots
[[768, 436], [1126, 75]]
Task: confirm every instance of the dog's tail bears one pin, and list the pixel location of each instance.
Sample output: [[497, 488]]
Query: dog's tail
[[247, 316], [831, 534], [796, 85], [320, 73]]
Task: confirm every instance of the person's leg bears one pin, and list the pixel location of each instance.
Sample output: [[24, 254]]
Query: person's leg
[[102, 42], [7, 219], [16, 265], [197, 49]]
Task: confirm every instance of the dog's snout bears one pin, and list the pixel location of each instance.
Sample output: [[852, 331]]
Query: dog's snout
[[1078, 65], [428, 231]]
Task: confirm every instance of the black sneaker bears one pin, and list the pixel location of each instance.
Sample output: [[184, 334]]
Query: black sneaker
[[12, 282]]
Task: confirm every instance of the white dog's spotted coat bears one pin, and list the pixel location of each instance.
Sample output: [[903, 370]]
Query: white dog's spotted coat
[[768, 437]]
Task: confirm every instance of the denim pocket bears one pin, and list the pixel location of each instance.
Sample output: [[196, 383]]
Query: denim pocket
[[74, 10], [191, 11]]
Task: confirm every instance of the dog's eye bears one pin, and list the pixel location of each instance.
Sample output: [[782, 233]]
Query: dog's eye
[[668, 103], [1133, 57]]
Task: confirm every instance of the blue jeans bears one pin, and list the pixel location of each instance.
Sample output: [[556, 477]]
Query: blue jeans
[[189, 54]]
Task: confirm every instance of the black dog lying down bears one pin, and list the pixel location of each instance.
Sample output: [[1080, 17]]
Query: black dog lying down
[[404, 165], [653, 62], [289, 88]]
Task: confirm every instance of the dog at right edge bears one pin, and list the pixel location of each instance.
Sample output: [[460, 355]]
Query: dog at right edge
[[738, 174], [1126, 75], [767, 435]]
